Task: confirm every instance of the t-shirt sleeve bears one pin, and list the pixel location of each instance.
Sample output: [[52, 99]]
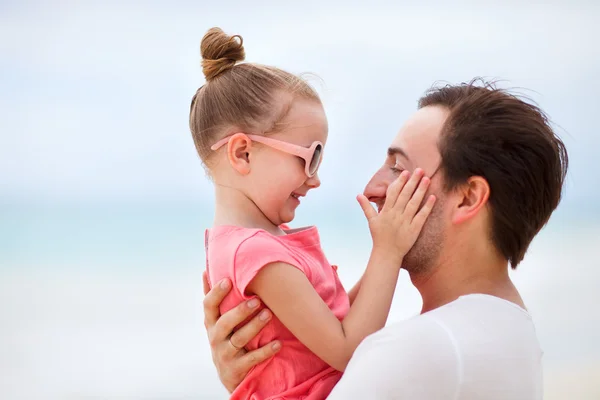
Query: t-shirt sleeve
[[416, 359], [257, 252]]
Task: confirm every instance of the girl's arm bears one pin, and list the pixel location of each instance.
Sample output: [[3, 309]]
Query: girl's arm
[[291, 297], [288, 293], [354, 291]]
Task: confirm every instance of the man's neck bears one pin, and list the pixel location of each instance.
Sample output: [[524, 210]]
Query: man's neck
[[466, 272]]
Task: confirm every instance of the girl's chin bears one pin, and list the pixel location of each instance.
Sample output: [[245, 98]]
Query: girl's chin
[[288, 216]]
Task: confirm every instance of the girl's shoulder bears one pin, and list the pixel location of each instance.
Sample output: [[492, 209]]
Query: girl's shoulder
[[240, 239], [252, 242]]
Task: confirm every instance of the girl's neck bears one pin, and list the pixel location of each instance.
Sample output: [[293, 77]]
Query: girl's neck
[[232, 207]]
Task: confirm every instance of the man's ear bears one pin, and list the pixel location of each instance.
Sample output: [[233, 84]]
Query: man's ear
[[473, 196], [238, 153]]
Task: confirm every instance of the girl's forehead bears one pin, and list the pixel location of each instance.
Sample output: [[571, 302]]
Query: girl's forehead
[[305, 122]]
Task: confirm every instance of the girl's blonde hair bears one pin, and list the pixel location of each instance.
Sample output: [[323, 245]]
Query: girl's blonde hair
[[247, 97]]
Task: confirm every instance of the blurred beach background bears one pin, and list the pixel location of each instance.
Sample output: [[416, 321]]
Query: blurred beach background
[[104, 202]]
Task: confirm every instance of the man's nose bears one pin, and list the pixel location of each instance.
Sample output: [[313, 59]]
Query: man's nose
[[377, 186]]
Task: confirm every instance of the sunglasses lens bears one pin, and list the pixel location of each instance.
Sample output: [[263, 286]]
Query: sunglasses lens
[[316, 159]]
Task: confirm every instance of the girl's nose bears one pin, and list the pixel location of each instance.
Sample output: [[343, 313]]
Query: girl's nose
[[313, 182]]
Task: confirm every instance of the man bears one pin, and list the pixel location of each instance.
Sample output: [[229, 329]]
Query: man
[[497, 170]]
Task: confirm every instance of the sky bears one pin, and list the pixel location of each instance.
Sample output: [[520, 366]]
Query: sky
[[95, 96]]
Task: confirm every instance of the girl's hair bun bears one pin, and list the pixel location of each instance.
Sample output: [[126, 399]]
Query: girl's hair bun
[[220, 52]]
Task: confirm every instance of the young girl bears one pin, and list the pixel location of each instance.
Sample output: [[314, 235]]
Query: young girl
[[261, 133]]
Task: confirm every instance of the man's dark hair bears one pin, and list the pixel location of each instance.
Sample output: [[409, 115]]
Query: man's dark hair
[[509, 142]]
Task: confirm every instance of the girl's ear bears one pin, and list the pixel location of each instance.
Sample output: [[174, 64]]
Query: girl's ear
[[238, 153]]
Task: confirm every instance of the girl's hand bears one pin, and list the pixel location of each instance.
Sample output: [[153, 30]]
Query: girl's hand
[[395, 229]]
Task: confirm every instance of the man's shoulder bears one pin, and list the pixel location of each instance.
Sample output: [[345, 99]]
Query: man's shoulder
[[484, 308], [447, 353], [458, 324], [410, 336], [415, 358], [483, 316]]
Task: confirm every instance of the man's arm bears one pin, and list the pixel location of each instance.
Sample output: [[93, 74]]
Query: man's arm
[[233, 364], [414, 359]]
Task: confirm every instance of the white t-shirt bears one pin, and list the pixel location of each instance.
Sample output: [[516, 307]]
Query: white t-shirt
[[477, 347]]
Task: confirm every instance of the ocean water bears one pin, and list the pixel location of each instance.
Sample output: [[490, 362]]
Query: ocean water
[[105, 302]]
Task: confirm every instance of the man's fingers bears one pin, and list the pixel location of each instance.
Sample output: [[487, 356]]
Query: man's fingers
[[257, 356], [247, 332], [212, 300], [232, 318], [235, 350], [391, 195], [205, 283], [366, 206]]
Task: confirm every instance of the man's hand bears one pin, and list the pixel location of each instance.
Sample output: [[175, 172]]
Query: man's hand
[[230, 357]]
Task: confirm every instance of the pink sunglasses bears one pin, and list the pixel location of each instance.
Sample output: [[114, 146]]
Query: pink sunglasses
[[312, 155]]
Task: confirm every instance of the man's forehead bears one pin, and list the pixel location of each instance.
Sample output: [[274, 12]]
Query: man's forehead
[[419, 135]]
